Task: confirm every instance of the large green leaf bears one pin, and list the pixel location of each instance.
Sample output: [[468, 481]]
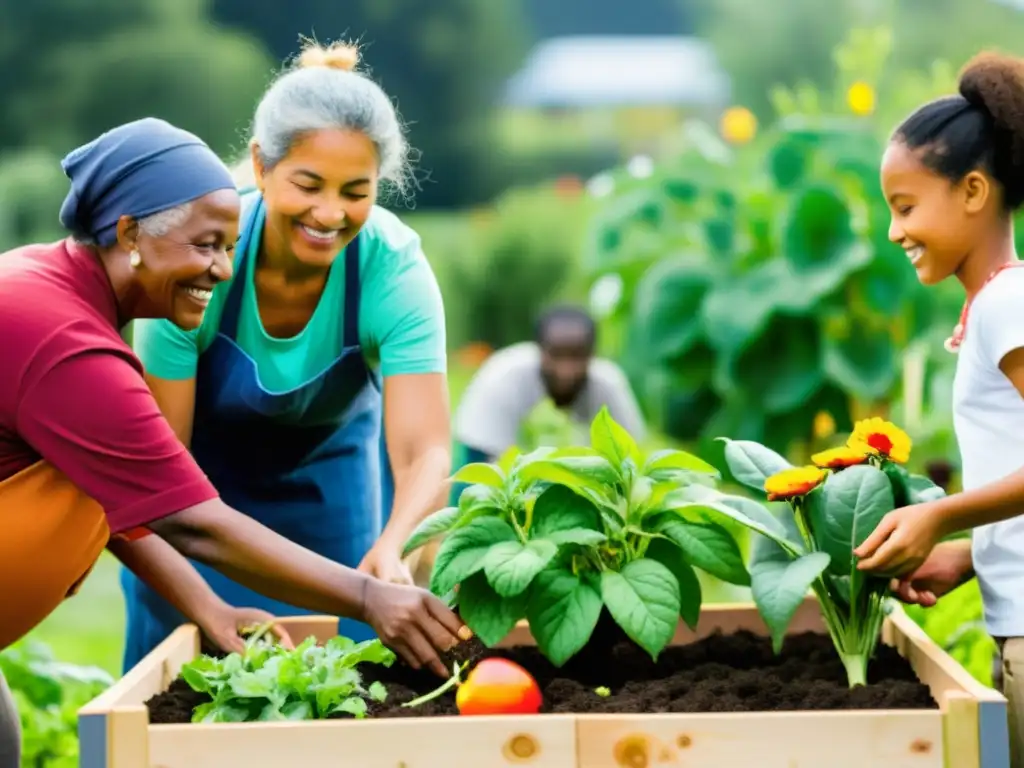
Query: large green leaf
[[712, 504], [668, 554], [737, 310], [846, 510], [511, 565], [707, 546], [780, 582], [463, 551], [591, 472], [751, 463], [671, 459], [782, 367], [862, 360], [780, 585], [802, 290], [666, 306], [432, 526], [563, 610], [490, 616], [922, 489], [480, 498], [478, 472], [563, 516], [817, 227], [643, 598], [611, 440]]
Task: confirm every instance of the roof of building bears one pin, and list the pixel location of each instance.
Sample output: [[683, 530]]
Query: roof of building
[[619, 71]]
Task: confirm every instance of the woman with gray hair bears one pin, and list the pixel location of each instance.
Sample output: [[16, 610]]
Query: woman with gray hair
[[88, 462], [332, 326]]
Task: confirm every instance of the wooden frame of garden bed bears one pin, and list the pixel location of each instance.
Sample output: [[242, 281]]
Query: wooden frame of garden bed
[[968, 731]]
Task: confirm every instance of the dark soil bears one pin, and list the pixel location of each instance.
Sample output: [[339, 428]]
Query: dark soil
[[722, 673]]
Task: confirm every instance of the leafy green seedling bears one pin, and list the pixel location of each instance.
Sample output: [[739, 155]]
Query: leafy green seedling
[[555, 536], [267, 682]]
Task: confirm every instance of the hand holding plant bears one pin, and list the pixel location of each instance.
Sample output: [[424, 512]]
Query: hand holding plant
[[902, 541], [831, 508], [224, 625], [948, 566]]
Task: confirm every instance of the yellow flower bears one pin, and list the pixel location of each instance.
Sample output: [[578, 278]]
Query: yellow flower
[[861, 98], [837, 458], [881, 438], [824, 425], [793, 482], [738, 125]]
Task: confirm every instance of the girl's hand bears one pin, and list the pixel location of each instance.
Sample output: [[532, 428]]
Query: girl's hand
[[902, 541], [223, 625], [947, 567]]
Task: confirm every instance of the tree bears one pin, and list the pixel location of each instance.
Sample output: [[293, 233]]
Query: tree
[[70, 69], [443, 62]]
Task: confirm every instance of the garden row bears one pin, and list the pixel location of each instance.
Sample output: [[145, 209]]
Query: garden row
[[576, 569]]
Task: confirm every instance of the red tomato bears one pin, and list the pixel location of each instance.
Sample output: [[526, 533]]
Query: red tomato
[[498, 687]]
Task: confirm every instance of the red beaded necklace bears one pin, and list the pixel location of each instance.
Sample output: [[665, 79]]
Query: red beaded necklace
[[953, 342]]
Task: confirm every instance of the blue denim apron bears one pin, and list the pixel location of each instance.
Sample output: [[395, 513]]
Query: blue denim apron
[[306, 463]]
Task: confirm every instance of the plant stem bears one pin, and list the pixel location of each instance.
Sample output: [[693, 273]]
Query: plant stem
[[856, 669], [451, 682], [801, 524], [515, 524]]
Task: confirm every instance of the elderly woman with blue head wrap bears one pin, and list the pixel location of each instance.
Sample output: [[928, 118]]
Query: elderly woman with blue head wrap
[[87, 461]]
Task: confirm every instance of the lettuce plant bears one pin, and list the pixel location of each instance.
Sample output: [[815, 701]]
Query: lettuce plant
[[826, 511], [267, 682], [557, 535]]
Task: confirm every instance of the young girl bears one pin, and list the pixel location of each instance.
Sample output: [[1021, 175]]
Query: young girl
[[953, 175]]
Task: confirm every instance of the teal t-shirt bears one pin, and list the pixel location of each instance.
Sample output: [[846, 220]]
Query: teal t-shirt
[[401, 317]]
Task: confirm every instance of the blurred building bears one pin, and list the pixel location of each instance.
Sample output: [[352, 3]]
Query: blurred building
[[625, 91]]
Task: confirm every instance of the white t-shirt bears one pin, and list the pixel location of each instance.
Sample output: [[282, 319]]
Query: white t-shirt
[[508, 387], [988, 415]]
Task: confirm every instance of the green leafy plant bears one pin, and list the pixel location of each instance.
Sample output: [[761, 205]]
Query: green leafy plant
[[557, 535], [268, 682], [48, 694], [807, 542], [759, 287]]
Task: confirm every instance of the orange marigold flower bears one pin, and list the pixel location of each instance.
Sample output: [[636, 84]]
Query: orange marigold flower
[[790, 483], [837, 458], [881, 438]]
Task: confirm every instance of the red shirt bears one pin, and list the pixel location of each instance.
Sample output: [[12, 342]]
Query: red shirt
[[72, 391]]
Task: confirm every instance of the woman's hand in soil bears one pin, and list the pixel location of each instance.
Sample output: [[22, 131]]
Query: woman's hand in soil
[[224, 624], [901, 542], [413, 622], [947, 567]]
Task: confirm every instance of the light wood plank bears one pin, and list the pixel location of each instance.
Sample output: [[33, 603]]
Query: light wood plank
[[128, 736], [858, 739], [933, 666], [482, 742], [961, 734]]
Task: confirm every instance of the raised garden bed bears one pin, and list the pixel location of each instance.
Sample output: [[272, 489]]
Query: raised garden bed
[[717, 697]]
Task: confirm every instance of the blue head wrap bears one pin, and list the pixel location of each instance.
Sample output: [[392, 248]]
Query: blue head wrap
[[137, 169]]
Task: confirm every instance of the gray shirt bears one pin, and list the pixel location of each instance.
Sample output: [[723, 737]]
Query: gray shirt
[[508, 387]]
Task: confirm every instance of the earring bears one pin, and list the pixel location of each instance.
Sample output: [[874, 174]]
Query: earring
[[135, 259]]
